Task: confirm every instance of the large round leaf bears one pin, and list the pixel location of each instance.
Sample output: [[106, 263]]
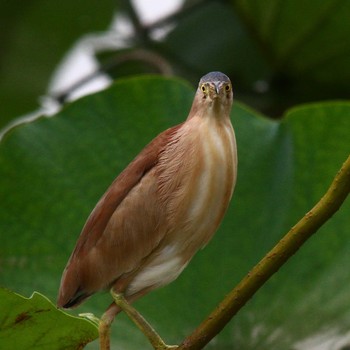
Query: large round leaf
[[53, 171]]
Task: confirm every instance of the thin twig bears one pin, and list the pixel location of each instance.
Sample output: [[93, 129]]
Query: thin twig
[[146, 56], [288, 245], [141, 31]]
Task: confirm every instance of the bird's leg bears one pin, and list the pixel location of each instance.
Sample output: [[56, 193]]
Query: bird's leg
[[153, 337], [104, 328]]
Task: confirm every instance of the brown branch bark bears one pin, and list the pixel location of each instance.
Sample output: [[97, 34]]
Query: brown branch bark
[[271, 263]]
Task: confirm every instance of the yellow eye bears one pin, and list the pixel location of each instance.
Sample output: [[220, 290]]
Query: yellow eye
[[203, 88], [227, 88]]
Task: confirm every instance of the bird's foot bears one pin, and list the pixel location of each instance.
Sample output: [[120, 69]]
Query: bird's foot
[[104, 326], [104, 334], [153, 337]]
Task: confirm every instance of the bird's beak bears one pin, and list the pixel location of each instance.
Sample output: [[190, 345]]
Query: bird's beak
[[217, 88], [214, 90]]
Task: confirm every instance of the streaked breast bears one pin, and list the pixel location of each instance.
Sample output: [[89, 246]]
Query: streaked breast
[[203, 184], [197, 174]]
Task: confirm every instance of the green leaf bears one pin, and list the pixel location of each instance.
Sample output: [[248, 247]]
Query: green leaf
[[53, 171], [303, 40], [35, 323]]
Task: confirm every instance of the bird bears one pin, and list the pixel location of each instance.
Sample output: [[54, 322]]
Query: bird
[[160, 210]]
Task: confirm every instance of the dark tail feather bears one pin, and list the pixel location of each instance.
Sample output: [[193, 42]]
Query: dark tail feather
[[73, 302]]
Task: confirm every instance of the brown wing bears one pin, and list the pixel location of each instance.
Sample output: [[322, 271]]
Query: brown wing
[[121, 230]]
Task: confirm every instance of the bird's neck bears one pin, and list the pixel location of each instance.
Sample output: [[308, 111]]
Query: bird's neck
[[215, 110]]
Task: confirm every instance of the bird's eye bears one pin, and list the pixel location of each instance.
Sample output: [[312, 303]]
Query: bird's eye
[[227, 88], [203, 88]]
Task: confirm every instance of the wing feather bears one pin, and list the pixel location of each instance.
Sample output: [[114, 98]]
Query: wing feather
[[110, 243]]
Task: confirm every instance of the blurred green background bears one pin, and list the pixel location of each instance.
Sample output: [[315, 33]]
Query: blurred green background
[[288, 61], [278, 53]]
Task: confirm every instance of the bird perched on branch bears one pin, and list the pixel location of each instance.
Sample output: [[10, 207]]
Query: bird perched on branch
[[165, 205]]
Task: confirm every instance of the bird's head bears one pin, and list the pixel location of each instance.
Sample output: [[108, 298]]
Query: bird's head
[[214, 94]]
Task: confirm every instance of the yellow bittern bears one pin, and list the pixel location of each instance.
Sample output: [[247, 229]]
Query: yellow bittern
[[159, 211]]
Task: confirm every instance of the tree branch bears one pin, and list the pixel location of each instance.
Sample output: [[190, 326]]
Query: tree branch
[[271, 263]]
